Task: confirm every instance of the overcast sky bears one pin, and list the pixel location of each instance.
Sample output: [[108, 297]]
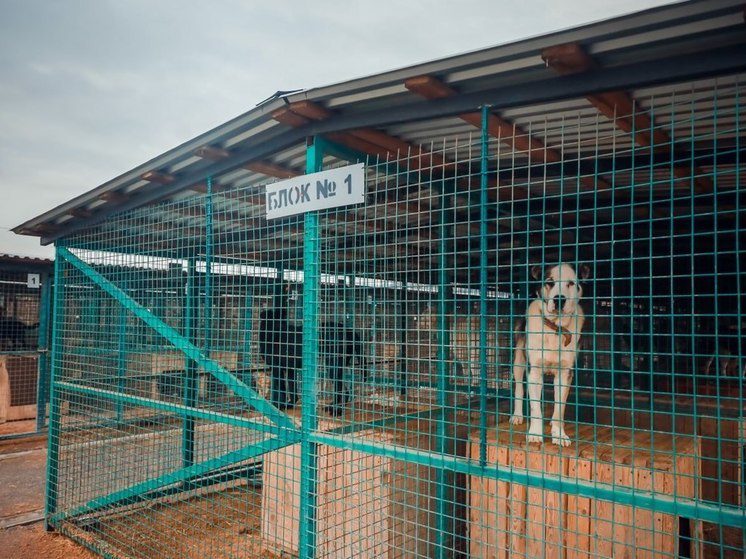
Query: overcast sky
[[91, 88]]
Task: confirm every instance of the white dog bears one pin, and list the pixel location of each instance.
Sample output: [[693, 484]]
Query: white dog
[[548, 341]]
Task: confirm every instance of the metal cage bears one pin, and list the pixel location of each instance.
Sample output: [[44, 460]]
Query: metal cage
[[338, 384], [525, 341]]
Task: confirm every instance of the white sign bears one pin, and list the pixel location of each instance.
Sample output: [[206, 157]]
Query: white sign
[[33, 281], [318, 191]]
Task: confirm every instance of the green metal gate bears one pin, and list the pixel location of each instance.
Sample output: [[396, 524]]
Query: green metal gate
[[172, 436]]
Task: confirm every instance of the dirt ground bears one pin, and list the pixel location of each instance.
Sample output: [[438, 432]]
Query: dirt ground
[[22, 471], [33, 542], [226, 522]]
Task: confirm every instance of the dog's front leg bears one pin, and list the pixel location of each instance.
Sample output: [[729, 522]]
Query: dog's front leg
[[535, 389], [519, 371], [561, 390]]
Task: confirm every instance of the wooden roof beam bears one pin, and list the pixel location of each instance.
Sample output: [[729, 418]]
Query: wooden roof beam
[[431, 88], [158, 177], [617, 106], [271, 169], [113, 197], [500, 128], [367, 140], [212, 153]]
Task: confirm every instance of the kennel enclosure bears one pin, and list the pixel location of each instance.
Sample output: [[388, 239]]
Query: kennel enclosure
[[186, 317], [25, 304]]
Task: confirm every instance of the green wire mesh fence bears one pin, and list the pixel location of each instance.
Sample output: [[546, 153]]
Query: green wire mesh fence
[[523, 343]]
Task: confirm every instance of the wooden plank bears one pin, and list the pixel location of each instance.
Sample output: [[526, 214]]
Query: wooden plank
[[517, 500], [481, 515], [603, 513], [4, 390], [642, 517], [577, 537], [624, 531], [535, 505], [502, 510], [555, 462]]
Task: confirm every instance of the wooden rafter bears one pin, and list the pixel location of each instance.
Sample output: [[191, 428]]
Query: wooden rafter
[[618, 106], [80, 213], [498, 127], [158, 177], [366, 140], [213, 153], [271, 169], [113, 197]]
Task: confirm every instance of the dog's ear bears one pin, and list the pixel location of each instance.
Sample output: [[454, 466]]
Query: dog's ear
[[537, 272], [584, 271]]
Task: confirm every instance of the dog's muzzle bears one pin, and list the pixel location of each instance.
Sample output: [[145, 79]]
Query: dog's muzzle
[[559, 303]]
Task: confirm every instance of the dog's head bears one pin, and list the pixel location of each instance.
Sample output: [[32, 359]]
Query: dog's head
[[560, 290]]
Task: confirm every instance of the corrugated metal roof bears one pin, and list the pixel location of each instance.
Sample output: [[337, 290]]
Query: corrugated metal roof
[[508, 74], [31, 261]]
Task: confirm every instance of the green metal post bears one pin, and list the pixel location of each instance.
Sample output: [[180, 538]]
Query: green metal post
[[309, 419], [191, 378], [483, 288], [42, 387], [445, 393], [248, 322], [402, 309], [53, 444], [373, 333], [121, 355], [209, 249]]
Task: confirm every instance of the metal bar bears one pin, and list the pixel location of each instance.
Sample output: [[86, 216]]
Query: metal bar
[[181, 343], [248, 326], [42, 387], [309, 419], [191, 376], [53, 444], [445, 394], [134, 491], [121, 355], [483, 178], [178, 409], [677, 506]]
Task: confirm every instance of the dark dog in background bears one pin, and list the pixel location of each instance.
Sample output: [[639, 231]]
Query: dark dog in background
[[18, 336], [281, 347]]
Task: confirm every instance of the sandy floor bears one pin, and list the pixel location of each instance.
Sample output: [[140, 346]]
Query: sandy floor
[[22, 470], [32, 542]]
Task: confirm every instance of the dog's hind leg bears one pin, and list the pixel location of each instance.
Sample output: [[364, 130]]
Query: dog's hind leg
[[562, 381], [519, 371]]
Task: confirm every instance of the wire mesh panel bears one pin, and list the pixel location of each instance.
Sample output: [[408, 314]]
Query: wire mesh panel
[[526, 342]]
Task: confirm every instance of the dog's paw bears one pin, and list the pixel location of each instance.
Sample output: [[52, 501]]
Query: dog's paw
[[534, 438], [560, 438], [516, 419]]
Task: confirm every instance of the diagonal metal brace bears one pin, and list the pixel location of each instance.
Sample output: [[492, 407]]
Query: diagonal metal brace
[[191, 351]]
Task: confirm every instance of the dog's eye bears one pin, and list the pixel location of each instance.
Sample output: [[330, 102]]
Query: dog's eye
[[570, 284], [550, 283]]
